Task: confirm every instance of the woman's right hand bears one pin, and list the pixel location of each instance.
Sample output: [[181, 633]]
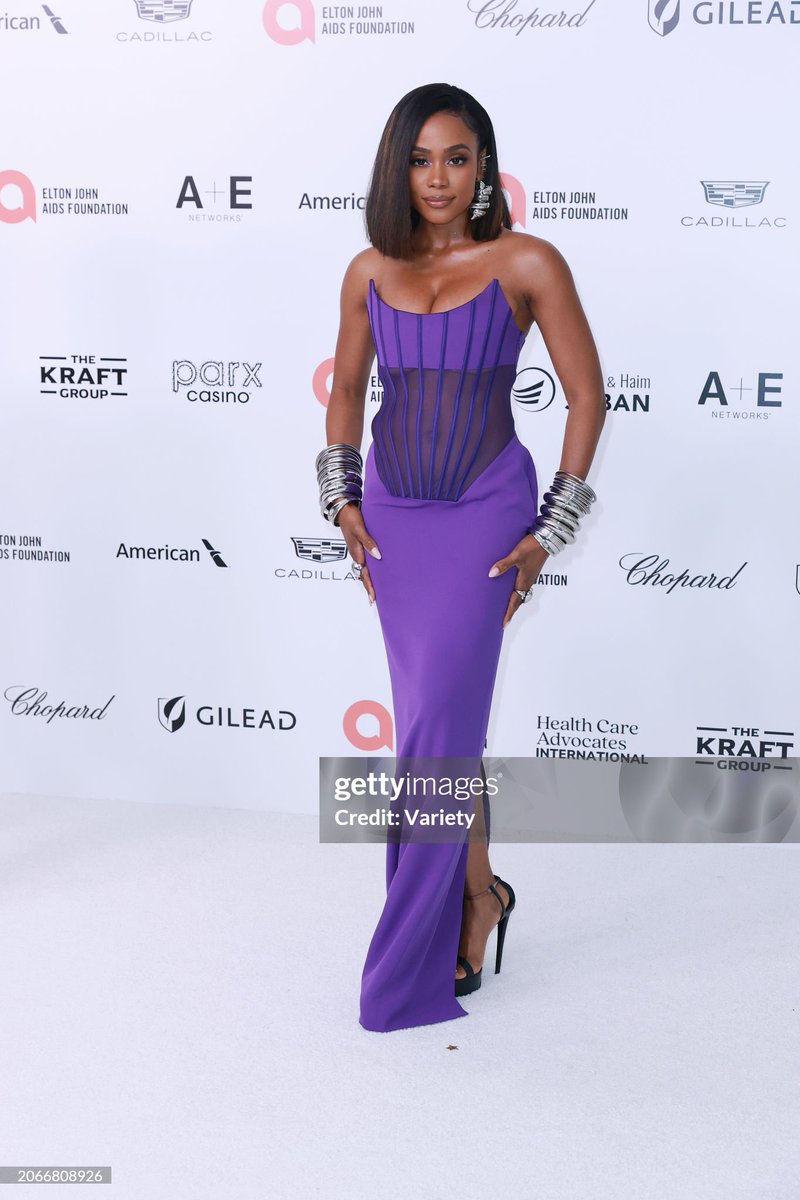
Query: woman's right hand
[[358, 541]]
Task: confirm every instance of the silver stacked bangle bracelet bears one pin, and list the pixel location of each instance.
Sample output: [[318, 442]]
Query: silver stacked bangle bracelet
[[340, 478], [569, 498]]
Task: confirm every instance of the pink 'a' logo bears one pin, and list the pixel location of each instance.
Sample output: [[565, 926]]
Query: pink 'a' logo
[[295, 33], [374, 741], [516, 198], [320, 381], [21, 212]]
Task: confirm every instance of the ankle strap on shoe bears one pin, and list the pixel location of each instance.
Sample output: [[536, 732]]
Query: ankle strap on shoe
[[491, 888]]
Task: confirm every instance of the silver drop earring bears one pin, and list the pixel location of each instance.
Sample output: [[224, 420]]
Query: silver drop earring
[[483, 191]]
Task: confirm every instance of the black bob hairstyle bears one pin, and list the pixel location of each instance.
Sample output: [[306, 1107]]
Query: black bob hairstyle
[[389, 217]]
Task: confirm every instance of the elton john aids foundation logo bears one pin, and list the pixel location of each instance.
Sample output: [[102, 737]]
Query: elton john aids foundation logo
[[19, 205], [321, 381], [379, 721], [515, 195], [289, 22]]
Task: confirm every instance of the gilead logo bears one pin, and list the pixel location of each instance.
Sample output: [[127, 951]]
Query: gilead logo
[[320, 381], [361, 741], [26, 210], [517, 203], [302, 10]]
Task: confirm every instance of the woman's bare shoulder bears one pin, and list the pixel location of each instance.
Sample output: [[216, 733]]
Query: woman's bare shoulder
[[525, 251], [363, 267]]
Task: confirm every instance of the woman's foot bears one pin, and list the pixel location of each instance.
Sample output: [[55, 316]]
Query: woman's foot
[[481, 914]]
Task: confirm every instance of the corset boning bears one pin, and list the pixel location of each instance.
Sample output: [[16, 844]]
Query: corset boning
[[447, 379]]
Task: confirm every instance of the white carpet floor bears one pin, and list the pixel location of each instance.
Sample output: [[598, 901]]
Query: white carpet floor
[[180, 1001]]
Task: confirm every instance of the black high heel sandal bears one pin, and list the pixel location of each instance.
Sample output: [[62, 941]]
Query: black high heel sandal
[[471, 980]]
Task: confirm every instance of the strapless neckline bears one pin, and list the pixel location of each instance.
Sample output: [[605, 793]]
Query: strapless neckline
[[493, 283]]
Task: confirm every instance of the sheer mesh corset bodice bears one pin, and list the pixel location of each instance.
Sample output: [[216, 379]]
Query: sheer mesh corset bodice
[[447, 379]]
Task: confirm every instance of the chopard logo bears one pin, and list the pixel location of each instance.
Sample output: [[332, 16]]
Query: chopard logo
[[649, 568], [30, 702], [506, 14]]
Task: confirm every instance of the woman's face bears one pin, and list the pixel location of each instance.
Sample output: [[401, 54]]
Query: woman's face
[[443, 168]]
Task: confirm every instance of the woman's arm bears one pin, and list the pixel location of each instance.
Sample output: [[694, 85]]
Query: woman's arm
[[344, 421], [549, 290], [542, 277], [354, 354]]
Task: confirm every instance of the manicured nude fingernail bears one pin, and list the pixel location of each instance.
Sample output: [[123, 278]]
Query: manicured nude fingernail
[[494, 571], [375, 552]]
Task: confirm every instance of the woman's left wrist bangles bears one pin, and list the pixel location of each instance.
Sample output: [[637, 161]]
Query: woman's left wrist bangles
[[569, 499], [340, 478]]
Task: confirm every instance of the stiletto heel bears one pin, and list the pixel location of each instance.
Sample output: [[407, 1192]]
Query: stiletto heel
[[503, 922], [471, 980]]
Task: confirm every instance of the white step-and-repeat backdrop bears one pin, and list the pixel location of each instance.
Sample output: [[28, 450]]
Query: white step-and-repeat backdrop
[[181, 185]]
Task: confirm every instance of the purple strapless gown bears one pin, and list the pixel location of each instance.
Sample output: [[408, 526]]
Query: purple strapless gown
[[448, 489]]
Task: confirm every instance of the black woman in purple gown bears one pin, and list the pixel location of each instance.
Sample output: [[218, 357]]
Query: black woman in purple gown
[[443, 523]]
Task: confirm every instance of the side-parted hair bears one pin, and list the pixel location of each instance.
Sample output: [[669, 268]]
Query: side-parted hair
[[389, 216]]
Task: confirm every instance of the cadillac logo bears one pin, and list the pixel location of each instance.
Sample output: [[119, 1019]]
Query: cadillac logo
[[320, 549], [734, 195], [163, 11]]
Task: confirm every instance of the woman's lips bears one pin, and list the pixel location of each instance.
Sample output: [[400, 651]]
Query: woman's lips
[[438, 201]]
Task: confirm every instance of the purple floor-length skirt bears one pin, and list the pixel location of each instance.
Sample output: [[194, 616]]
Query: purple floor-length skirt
[[441, 617]]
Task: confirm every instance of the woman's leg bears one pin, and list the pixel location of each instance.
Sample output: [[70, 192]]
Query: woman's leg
[[481, 914]]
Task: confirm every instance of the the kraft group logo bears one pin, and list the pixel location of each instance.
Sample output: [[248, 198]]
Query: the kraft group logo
[[743, 741], [82, 376]]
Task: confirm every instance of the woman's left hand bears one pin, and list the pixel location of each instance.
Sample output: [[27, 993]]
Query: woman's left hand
[[528, 558]]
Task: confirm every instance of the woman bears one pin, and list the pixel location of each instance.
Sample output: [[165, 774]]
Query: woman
[[446, 508]]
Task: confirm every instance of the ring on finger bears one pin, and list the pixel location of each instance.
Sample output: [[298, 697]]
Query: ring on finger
[[524, 596], [358, 567]]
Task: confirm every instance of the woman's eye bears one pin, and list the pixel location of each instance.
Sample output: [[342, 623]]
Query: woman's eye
[[457, 160]]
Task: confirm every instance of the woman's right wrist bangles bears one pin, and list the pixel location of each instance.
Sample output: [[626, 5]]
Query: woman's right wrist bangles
[[340, 478], [569, 498]]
